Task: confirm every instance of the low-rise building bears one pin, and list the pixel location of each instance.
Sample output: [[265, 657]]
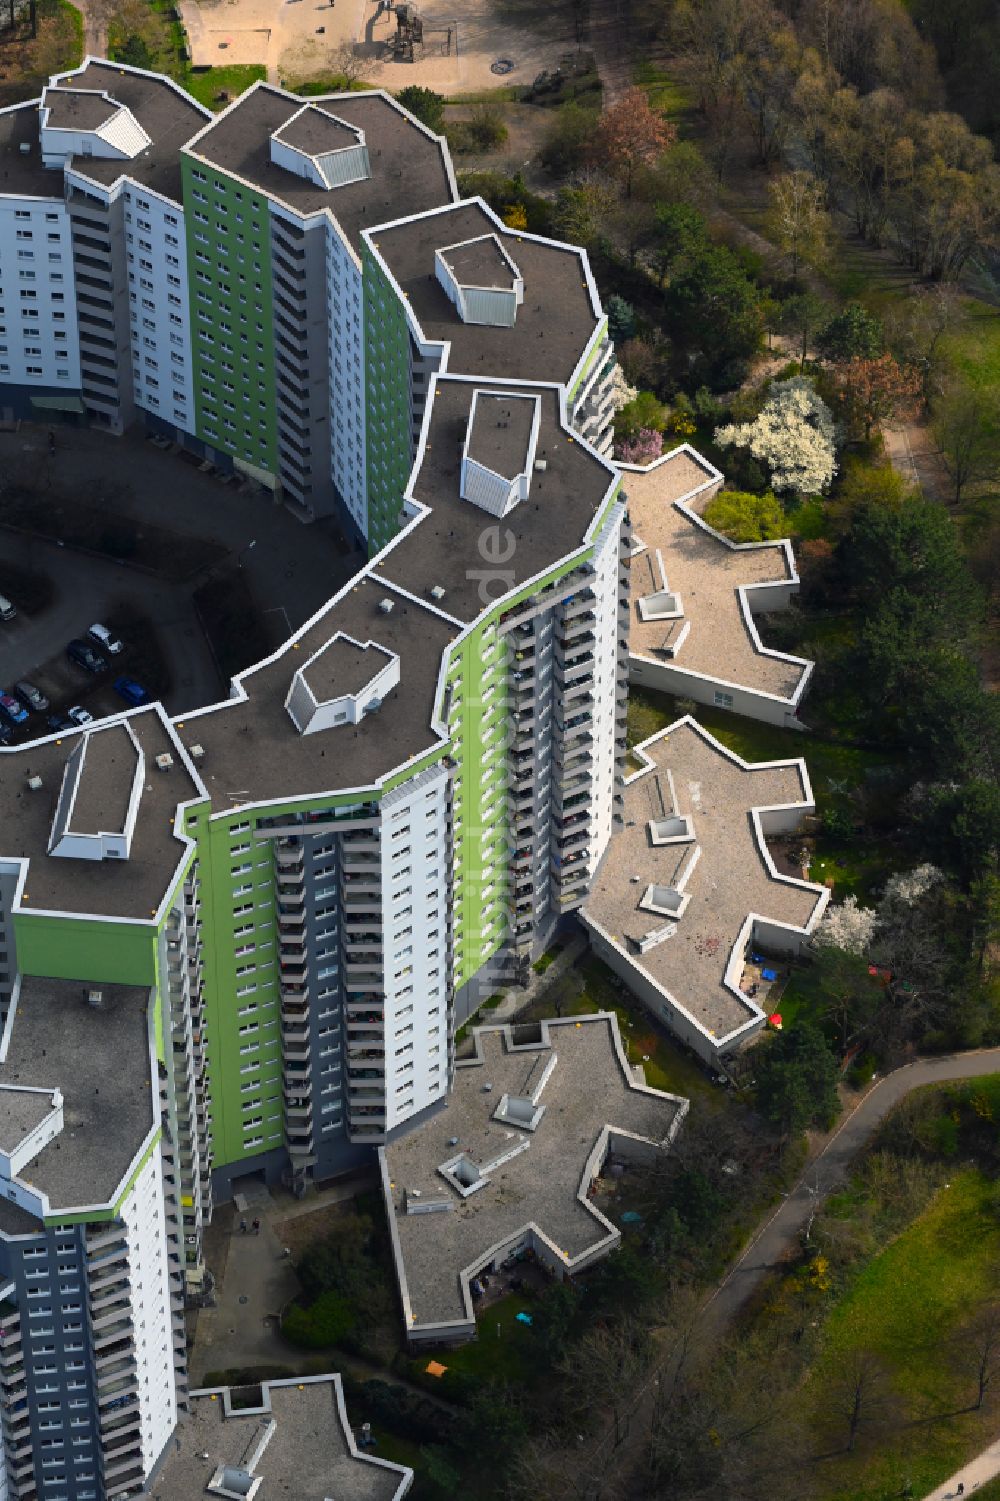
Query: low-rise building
[[296, 1441], [690, 887], [695, 596], [510, 1167]]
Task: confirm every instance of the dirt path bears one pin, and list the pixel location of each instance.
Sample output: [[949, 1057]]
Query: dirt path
[[911, 449], [94, 39], [829, 1163], [609, 37]]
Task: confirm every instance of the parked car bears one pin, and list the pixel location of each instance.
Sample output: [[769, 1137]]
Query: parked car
[[7, 609], [30, 696], [59, 722], [84, 655], [103, 637], [131, 691], [78, 715], [6, 733], [15, 712]]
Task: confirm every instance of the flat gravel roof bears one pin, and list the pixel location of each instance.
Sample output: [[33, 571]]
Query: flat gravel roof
[[707, 575], [554, 324], [590, 1087], [59, 1041], [408, 167], [730, 881], [308, 1456]]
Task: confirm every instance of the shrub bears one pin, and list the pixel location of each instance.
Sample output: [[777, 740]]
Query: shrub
[[743, 517], [646, 446], [425, 104], [486, 127], [645, 411], [568, 139], [326, 1322], [793, 435]]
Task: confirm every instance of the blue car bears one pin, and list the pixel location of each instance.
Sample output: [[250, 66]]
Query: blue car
[[132, 692], [15, 712]]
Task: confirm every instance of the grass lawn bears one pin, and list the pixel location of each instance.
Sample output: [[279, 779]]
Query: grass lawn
[[206, 84], [663, 90], [974, 349], [502, 1351], [905, 1307]]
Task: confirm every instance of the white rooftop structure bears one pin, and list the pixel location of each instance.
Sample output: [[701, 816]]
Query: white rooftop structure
[[342, 682], [99, 797]]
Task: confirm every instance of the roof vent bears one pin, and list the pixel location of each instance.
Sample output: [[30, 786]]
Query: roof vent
[[385, 605], [34, 784], [196, 752], [95, 999], [25, 148], [164, 761], [437, 592], [541, 465]]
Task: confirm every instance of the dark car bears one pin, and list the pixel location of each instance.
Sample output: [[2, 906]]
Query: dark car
[[14, 711], [6, 733], [30, 696], [84, 655], [131, 691], [59, 722]]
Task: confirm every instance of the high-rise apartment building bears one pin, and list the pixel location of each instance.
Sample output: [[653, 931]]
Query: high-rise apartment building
[[293, 898], [272, 286]]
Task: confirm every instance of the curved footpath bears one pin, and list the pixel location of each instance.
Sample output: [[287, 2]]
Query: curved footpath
[[826, 1169]]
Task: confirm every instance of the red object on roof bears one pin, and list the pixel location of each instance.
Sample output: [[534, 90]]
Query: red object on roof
[[873, 969], [775, 1020]]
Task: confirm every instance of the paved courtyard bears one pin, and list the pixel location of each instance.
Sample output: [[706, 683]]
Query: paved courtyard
[[254, 1279]]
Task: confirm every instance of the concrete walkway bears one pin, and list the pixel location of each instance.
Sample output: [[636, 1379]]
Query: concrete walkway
[[829, 1167], [972, 1476], [977, 1472]]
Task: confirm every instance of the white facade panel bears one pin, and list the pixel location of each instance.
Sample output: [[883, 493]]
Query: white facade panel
[[156, 250], [145, 1221], [605, 587], [39, 339], [415, 895], [345, 312]]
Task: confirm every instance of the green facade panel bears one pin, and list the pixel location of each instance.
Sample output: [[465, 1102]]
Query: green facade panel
[[88, 949], [232, 314], [387, 404]]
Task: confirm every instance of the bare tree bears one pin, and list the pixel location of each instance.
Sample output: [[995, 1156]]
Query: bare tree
[[347, 62], [965, 426], [979, 1347], [859, 1397]]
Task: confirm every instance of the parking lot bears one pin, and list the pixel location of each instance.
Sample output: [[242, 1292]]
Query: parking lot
[[87, 590], [291, 569]]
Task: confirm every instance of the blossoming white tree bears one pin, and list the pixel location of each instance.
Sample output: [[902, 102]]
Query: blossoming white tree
[[849, 927], [793, 435]]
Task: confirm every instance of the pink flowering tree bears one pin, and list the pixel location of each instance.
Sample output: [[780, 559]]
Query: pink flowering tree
[[645, 446]]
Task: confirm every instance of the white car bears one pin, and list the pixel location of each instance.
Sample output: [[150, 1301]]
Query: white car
[[103, 637], [79, 715]]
